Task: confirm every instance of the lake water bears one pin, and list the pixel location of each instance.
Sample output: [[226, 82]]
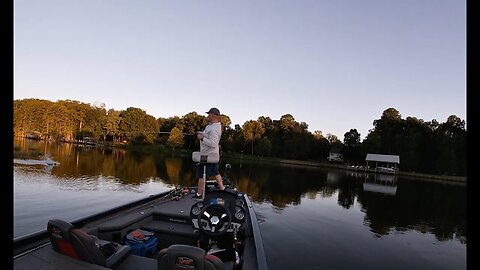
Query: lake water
[[310, 218]]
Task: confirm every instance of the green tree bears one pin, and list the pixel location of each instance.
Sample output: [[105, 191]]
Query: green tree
[[287, 123], [225, 122], [263, 147], [137, 124], [252, 130], [390, 127], [452, 139], [176, 138], [95, 120], [351, 150], [332, 138], [112, 124], [66, 120], [190, 124]]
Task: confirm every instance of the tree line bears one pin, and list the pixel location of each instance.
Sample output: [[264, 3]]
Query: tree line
[[425, 147]]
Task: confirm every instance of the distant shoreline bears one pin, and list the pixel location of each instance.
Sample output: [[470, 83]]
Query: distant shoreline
[[429, 177], [149, 149], [236, 156]]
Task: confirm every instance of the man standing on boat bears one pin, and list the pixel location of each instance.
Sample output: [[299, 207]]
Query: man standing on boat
[[209, 144]]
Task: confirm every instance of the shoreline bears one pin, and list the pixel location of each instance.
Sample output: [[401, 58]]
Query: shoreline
[[424, 176], [161, 149]]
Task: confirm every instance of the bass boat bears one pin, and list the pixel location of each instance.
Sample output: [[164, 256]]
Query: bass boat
[[171, 230]]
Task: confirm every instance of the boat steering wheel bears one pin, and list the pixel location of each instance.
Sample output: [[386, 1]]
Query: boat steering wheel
[[217, 217]]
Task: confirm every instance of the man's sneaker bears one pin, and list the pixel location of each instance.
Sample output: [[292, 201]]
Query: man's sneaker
[[196, 196]]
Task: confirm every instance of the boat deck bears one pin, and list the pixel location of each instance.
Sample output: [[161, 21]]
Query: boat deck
[[157, 215], [167, 215]]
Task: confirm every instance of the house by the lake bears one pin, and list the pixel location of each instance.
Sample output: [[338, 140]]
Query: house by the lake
[[335, 155]]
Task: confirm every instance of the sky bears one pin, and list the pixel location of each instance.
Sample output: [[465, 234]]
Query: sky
[[334, 64]]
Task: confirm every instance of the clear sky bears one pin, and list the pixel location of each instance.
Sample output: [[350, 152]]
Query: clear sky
[[333, 64]]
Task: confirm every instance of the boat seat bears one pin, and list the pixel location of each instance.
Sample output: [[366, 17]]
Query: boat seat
[[187, 257], [76, 243]]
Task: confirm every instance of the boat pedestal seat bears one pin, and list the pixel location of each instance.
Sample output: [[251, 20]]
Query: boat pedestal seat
[[78, 244], [188, 257]]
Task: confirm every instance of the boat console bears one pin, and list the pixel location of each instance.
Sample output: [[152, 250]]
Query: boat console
[[220, 212]]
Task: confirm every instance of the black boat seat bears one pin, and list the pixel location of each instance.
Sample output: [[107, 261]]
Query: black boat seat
[[187, 257], [79, 244]]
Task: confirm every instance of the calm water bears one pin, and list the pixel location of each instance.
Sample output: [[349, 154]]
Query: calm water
[[309, 218]]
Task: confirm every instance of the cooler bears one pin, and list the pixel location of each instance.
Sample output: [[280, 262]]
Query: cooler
[[143, 243]]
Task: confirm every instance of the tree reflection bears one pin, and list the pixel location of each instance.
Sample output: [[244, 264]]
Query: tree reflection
[[430, 207]]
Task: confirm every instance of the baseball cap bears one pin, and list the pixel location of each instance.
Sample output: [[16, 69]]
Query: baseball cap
[[214, 111]]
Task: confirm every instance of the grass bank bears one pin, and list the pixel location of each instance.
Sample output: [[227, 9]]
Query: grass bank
[[442, 178]]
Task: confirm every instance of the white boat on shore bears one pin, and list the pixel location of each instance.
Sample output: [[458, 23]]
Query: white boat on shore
[[45, 162], [385, 170]]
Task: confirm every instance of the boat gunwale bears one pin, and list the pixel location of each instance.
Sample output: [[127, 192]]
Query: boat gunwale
[[257, 237], [30, 241]]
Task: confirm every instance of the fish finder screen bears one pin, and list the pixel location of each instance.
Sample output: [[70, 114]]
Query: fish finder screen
[[217, 200]]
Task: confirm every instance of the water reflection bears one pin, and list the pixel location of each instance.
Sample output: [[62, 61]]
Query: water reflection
[[381, 183], [388, 204], [77, 160]]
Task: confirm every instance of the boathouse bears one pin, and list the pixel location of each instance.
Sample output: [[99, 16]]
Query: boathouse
[[382, 163]]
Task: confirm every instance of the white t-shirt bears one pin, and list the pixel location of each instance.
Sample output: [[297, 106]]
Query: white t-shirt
[[210, 142]]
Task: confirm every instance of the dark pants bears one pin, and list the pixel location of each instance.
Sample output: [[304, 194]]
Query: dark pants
[[212, 170]]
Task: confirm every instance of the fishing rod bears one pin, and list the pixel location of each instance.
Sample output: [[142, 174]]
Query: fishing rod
[[160, 132], [169, 132]]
